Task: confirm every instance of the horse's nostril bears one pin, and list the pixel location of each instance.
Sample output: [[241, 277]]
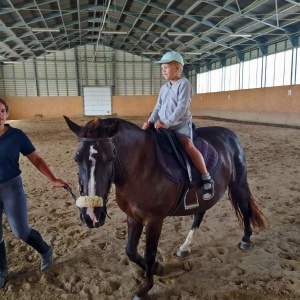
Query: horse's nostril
[[81, 218]]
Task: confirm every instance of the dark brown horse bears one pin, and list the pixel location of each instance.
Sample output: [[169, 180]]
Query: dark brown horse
[[117, 151]]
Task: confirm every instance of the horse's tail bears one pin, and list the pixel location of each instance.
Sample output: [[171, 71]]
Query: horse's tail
[[243, 202]]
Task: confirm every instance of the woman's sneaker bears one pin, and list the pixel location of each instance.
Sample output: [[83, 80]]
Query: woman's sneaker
[[3, 275], [46, 261]]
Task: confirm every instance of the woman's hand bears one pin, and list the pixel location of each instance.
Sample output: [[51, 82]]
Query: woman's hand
[[59, 183]]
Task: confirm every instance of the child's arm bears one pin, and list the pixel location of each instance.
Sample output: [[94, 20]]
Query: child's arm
[[154, 115], [185, 93]]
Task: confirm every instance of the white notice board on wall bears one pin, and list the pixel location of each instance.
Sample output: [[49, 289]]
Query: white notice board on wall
[[97, 100]]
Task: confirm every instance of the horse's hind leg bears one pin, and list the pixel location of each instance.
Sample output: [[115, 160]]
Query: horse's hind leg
[[185, 249], [240, 200], [246, 210]]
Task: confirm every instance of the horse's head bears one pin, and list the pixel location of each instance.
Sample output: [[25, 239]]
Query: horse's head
[[95, 156]]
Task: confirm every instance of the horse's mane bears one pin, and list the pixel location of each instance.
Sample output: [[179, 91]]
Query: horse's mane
[[97, 127]]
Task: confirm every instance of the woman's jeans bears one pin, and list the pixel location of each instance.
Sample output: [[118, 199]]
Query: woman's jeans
[[13, 203]]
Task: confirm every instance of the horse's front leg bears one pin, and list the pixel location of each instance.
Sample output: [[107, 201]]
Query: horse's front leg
[[153, 230], [135, 229]]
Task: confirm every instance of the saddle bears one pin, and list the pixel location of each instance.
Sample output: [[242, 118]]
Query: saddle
[[173, 160], [177, 165]]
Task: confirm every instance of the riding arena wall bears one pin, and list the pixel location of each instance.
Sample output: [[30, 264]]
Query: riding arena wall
[[274, 105]]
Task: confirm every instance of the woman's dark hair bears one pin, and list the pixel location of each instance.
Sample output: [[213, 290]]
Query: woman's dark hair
[[5, 105]]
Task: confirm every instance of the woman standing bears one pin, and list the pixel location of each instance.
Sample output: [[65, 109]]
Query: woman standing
[[14, 141]]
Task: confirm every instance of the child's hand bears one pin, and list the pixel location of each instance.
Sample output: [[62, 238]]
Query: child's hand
[[146, 125], [159, 124]]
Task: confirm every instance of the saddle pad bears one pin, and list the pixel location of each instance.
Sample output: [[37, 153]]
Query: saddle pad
[[173, 169]]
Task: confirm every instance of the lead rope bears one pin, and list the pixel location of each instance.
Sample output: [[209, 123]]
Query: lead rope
[[68, 188]]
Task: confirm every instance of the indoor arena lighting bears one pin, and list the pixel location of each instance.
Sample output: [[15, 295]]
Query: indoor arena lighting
[[114, 32], [240, 35], [151, 52], [193, 53], [45, 29], [108, 31], [180, 34]]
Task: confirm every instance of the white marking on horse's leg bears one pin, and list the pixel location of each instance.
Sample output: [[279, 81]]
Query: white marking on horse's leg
[[92, 181], [188, 242]]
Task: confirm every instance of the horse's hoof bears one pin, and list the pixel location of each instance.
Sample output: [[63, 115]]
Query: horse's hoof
[[183, 254], [141, 298], [158, 269], [245, 246]]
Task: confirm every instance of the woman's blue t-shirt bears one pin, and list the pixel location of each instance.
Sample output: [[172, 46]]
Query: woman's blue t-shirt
[[13, 142]]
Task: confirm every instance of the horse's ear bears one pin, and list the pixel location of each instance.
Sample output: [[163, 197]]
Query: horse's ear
[[112, 129], [73, 126]]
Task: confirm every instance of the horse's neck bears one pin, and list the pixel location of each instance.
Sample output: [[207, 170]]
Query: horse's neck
[[132, 140], [134, 146]]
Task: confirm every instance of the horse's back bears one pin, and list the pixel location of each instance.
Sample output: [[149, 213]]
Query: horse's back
[[219, 137], [229, 147], [211, 131]]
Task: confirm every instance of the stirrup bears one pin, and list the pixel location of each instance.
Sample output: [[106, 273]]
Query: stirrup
[[210, 191]]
